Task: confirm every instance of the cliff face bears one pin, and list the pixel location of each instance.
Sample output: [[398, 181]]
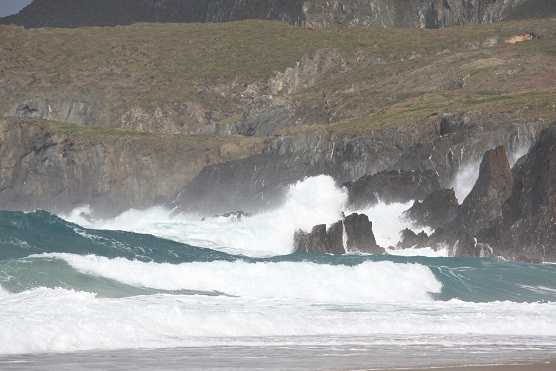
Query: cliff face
[[392, 13], [72, 14], [308, 13], [258, 181], [51, 169]]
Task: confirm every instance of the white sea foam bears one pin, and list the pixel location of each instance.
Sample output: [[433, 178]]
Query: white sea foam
[[55, 320], [315, 200], [424, 251], [388, 221], [366, 282]]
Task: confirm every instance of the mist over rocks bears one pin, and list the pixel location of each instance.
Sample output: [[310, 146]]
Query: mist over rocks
[[437, 209], [462, 138], [398, 163], [508, 214]]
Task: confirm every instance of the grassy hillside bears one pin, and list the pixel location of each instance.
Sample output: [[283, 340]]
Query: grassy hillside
[[421, 72]]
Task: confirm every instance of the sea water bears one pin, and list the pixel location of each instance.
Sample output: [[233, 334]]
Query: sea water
[[151, 289]]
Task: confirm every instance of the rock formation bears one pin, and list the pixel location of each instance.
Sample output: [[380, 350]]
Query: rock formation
[[359, 237], [392, 186], [307, 13], [409, 239], [321, 240], [528, 223], [491, 190], [411, 154], [45, 167], [481, 207], [437, 209], [359, 233]]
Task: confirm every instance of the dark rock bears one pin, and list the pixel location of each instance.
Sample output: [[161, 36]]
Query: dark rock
[[360, 237], [392, 186], [492, 189], [474, 228], [529, 214], [259, 181], [72, 14], [359, 234], [411, 239], [319, 240], [233, 215], [335, 238], [463, 138], [437, 209], [467, 246]]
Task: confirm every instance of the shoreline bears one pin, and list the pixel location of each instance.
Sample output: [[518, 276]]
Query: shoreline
[[548, 365]]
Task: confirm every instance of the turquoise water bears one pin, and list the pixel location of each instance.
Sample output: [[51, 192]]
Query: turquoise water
[[71, 296]]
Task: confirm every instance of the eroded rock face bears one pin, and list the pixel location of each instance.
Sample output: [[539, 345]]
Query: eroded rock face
[[308, 13], [470, 228], [70, 111], [418, 151], [437, 209], [529, 214], [463, 138], [49, 169], [491, 190], [392, 186]]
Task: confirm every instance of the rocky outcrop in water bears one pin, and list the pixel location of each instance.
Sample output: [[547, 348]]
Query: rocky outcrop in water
[[359, 237], [308, 13], [508, 214]]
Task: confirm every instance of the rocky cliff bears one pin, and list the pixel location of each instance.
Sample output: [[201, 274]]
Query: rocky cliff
[[72, 14], [43, 165], [308, 13], [260, 180]]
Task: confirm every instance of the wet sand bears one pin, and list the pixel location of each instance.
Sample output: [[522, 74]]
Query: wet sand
[[536, 366]]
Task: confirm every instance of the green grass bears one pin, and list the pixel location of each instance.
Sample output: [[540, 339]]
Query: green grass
[[165, 65]]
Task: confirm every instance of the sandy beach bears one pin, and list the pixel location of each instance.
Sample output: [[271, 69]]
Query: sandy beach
[[535, 366]]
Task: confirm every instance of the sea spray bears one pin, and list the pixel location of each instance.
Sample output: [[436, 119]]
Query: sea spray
[[315, 200]]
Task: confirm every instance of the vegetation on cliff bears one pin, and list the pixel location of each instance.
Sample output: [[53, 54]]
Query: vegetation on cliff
[[190, 78]]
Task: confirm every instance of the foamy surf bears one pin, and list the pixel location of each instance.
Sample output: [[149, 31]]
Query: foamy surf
[[315, 200]]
